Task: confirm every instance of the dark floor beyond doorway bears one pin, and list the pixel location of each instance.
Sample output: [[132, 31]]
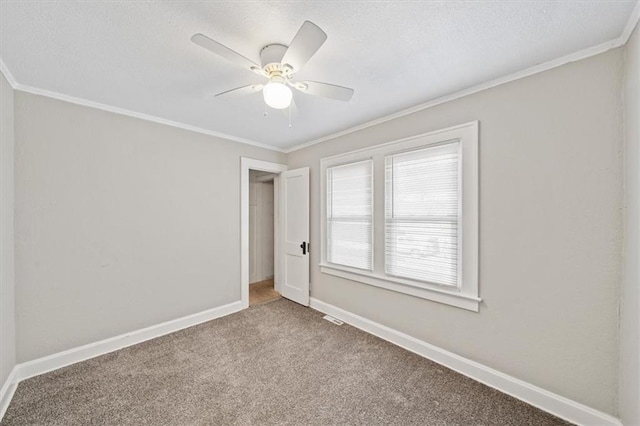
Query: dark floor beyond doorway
[[261, 292], [276, 363]]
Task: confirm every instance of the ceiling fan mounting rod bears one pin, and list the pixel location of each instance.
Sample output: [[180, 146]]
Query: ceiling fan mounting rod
[[271, 60]]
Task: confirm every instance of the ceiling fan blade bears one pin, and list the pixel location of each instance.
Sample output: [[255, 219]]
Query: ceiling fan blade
[[230, 55], [306, 42], [325, 90], [240, 91]]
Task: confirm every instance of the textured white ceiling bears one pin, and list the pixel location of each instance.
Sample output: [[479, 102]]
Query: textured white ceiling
[[137, 55]]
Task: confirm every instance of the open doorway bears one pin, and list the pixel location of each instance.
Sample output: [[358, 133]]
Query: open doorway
[[250, 167], [291, 230], [261, 237]]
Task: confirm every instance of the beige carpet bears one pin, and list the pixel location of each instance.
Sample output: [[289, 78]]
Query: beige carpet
[[275, 363], [261, 292]]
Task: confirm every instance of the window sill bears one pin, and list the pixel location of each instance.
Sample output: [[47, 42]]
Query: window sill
[[456, 299]]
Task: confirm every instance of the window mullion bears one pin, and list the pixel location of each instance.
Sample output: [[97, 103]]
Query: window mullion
[[378, 214]]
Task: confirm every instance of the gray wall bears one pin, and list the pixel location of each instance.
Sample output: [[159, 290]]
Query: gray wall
[[261, 221], [550, 231], [121, 223], [7, 313], [630, 306]]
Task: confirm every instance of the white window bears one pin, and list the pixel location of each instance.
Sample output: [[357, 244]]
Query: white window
[[422, 214], [422, 237], [350, 215]]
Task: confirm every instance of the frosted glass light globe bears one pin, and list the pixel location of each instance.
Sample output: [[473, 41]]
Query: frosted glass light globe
[[277, 94]]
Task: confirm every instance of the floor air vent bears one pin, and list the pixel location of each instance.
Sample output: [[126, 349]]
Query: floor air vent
[[333, 320]]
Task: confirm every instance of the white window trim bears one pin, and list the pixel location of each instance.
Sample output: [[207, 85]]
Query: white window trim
[[466, 295]]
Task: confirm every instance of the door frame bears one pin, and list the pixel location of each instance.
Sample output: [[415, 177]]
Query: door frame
[[247, 164]]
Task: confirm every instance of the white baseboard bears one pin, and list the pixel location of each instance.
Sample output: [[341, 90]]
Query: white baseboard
[[548, 401], [62, 359], [91, 350], [7, 391], [538, 397]]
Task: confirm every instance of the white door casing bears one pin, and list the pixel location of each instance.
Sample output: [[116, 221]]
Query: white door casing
[[247, 164], [294, 202]]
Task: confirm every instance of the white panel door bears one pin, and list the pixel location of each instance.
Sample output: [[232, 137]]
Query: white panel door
[[294, 201]]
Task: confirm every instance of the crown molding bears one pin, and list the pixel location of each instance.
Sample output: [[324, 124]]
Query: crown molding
[[121, 111], [573, 57], [146, 117], [632, 23], [7, 74], [582, 54]]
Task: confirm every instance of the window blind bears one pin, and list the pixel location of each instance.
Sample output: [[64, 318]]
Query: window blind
[[350, 215], [422, 210]]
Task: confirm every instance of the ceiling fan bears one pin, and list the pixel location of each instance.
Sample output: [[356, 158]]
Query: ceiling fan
[[279, 63]]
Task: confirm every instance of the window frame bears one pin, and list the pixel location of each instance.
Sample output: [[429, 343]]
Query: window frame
[[466, 294], [459, 271], [325, 246]]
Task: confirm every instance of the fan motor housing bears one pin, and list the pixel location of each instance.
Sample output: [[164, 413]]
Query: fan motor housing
[[271, 57]]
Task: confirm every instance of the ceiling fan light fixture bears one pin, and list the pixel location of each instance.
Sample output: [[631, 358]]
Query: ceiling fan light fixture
[[279, 63], [277, 94]]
